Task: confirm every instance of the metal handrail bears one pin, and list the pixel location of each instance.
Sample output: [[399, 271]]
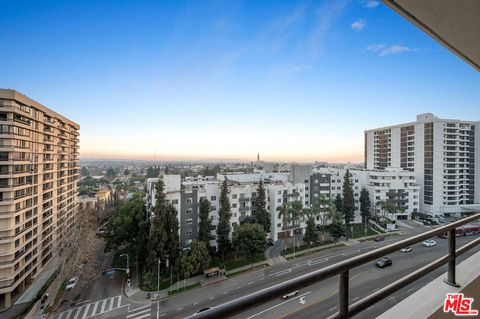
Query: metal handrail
[[342, 268]]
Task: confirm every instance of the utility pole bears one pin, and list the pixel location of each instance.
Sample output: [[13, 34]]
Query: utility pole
[[158, 275]]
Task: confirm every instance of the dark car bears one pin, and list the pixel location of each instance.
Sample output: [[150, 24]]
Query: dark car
[[383, 262], [270, 242], [379, 238]]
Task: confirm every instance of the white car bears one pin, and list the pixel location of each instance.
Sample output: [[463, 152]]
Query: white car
[[429, 243], [406, 250], [72, 283], [290, 294]]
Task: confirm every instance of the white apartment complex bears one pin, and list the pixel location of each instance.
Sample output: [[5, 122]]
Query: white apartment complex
[[442, 153], [186, 194]]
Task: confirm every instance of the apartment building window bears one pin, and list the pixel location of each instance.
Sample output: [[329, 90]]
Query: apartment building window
[[279, 192], [234, 205], [189, 221], [189, 211], [279, 200], [234, 196], [189, 200], [174, 201], [188, 231], [212, 198]]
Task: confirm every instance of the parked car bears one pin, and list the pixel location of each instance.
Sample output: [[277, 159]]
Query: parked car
[[72, 283], [383, 262], [379, 238], [406, 250], [429, 243], [290, 294]]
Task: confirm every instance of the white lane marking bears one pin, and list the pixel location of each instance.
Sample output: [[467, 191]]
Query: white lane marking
[[119, 302], [411, 289], [282, 272], [239, 287], [158, 309], [355, 298], [262, 278], [136, 309], [138, 313], [211, 298], [316, 262], [250, 282], [376, 289], [162, 315], [226, 292], [144, 316], [282, 303], [332, 309], [180, 309], [195, 303], [352, 252]]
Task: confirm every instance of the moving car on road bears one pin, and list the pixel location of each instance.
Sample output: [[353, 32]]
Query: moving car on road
[[72, 283], [429, 243], [290, 294], [406, 250], [379, 238], [384, 262]]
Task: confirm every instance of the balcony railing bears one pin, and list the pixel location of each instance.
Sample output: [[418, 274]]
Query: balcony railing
[[342, 269]]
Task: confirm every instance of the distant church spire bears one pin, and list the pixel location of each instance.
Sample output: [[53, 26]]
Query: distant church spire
[[258, 157]]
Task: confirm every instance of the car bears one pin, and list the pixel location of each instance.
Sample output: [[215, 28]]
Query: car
[[72, 283], [379, 238], [290, 294], [429, 243], [270, 242], [406, 249], [383, 262]]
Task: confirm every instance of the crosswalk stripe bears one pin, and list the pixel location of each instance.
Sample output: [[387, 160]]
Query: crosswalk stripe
[[86, 311], [102, 307], [78, 312], [139, 308], [138, 313], [67, 314], [119, 302], [112, 301], [144, 316], [95, 308]]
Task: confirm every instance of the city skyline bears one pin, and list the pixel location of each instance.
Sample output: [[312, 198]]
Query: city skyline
[[294, 81]]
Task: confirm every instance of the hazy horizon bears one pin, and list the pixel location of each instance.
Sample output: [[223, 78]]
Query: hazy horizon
[[295, 81]]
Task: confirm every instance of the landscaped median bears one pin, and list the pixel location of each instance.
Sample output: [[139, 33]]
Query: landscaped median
[[303, 250]]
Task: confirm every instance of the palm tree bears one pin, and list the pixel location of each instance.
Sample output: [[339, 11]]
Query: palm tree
[[291, 212], [323, 205]]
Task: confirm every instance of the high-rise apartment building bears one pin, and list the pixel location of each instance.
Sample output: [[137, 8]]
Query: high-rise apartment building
[[38, 189], [444, 154]]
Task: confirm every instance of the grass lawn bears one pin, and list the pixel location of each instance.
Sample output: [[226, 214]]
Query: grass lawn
[[234, 263], [195, 285], [361, 233], [233, 274]]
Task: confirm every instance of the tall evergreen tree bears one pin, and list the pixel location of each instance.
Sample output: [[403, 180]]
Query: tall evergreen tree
[[224, 216], [311, 236], [365, 204], [261, 214], [338, 203], [164, 237], [348, 208], [205, 224]]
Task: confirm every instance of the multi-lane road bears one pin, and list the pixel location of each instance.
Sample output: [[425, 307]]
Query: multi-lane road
[[316, 301]]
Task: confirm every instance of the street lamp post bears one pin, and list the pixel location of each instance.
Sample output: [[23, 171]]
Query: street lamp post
[[158, 275], [128, 264]]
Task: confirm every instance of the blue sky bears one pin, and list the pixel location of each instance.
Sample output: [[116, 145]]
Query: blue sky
[[293, 80]]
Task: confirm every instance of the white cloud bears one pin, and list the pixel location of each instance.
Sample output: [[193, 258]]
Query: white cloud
[[370, 4], [359, 25], [384, 50]]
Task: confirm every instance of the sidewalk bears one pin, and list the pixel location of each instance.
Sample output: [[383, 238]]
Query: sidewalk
[[23, 302]]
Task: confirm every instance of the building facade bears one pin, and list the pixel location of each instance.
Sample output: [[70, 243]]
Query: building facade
[[444, 154], [38, 189]]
